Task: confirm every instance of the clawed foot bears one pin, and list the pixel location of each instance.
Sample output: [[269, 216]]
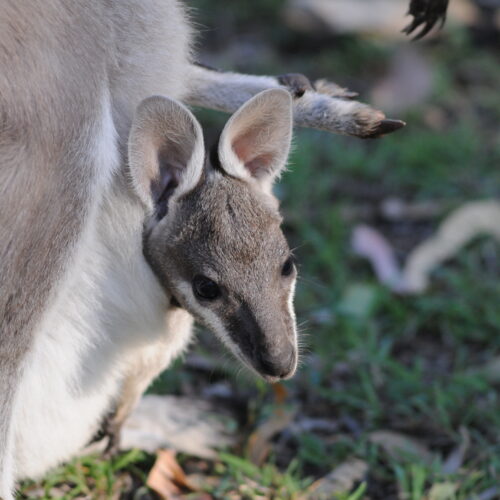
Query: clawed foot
[[298, 84], [369, 123], [360, 120], [426, 13], [113, 447], [110, 429]]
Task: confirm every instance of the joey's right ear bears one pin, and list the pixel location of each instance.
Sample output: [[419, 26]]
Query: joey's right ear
[[165, 151], [256, 140]]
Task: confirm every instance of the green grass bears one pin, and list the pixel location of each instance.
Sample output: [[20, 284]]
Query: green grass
[[375, 360], [89, 477]]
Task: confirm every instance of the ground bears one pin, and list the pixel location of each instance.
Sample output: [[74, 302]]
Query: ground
[[376, 366]]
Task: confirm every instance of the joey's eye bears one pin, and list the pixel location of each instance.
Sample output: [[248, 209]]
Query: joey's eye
[[288, 267], [205, 289]]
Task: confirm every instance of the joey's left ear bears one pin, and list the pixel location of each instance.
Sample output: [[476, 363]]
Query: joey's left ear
[[165, 152], [255, 142]]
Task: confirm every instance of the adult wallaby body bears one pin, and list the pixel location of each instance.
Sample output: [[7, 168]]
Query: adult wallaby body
[[83, 316], [213, 240]]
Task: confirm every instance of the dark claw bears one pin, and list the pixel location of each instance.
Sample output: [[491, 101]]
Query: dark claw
[[297, 83], [427, 26], [110, 429], [386, 127], [426, 13], [113, 446]]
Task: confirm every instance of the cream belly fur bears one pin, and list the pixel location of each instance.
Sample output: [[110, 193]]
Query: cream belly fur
[[110, 324]]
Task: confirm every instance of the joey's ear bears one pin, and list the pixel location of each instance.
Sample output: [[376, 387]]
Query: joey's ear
[[165, 151], [256, 140]]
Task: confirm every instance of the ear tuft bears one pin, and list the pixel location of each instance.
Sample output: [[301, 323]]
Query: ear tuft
[[165, 151], [256, 140]]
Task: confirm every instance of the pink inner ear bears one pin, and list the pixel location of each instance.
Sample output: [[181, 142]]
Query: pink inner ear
[[246, 147], [260, 165]]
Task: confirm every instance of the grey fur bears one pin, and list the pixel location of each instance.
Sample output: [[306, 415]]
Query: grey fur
[[62, 65], [222, 223], [44, 123], [230, 233]]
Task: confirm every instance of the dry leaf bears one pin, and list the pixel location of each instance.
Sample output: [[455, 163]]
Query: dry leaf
[[398, 445], [259, 444], [443, 491], [188, 425], [341, 480], [369, 243], [166, 478], [280, 393], [458, 229]]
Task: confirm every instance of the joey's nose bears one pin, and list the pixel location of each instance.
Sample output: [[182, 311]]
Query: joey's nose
[[282, 366]]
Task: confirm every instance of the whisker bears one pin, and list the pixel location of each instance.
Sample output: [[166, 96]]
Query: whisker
[[299, 246], [312, 281]]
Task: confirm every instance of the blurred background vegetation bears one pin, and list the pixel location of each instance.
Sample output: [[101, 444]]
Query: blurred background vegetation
[[377, 367]]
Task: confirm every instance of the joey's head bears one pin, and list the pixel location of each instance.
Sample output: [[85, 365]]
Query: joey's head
[[213, 237]]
